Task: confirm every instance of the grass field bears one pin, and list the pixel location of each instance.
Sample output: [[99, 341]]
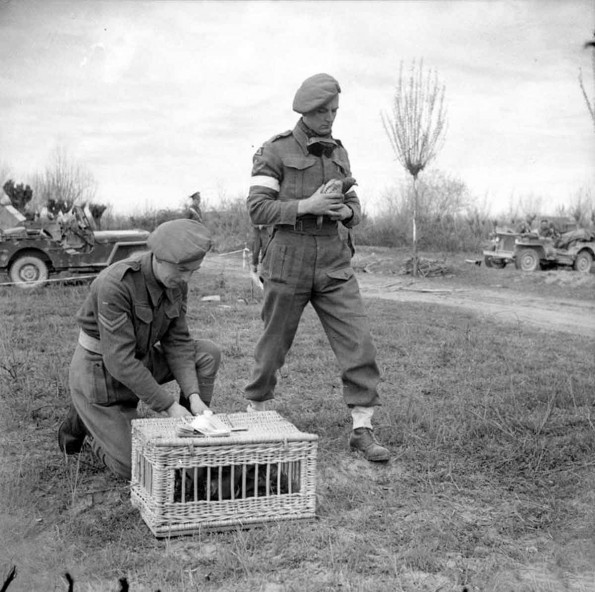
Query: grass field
[[491, 487]]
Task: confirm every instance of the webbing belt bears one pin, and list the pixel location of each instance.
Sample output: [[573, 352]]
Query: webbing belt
[[89, 343], [310, 225]]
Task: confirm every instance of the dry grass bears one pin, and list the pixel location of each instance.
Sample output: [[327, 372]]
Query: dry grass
[[490, 489]]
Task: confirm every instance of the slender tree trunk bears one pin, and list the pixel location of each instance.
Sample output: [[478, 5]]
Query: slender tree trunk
[[414, 223], [416, 129]]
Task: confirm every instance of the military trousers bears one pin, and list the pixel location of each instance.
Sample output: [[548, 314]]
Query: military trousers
[[107, 407], [300, 268]]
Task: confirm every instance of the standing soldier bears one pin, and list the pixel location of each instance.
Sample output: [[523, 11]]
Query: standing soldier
[[307, 261], [194, 211], [134, 338]]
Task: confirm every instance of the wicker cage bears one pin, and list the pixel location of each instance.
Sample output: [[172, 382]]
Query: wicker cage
[[263, 472]]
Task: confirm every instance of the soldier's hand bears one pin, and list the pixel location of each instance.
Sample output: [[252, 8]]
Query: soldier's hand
[[176, 410], [343, 214], [320, 204], [196, 404]]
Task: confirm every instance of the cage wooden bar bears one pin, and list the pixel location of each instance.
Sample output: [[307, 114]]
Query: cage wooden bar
[[264, 471]]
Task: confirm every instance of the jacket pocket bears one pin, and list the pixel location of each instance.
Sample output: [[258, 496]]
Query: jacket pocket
[[341, 166], [172, 309], [143, 313], [143, 322], [296, 176]]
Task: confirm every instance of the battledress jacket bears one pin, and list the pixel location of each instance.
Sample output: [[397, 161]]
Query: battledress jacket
[[284, 171], [129, 312]]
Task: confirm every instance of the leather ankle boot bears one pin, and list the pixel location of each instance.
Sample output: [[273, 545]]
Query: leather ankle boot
[[363, 439], [71, 433]]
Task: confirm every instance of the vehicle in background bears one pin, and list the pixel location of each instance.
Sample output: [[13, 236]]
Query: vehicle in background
[[574, 249], [32, 251], [558, 242], [501, 249]]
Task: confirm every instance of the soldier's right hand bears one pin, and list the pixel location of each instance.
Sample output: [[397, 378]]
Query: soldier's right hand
[[320, 204], [176, 410]]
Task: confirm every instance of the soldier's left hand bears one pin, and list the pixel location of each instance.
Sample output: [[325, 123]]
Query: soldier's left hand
[[176, 410], [342, 213], [196, 404]]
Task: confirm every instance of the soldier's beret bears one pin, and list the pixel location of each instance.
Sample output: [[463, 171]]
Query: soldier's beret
[[180, 241], [315, 92]]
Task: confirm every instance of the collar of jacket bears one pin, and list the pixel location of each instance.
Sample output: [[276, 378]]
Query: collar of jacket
[[300, 137], [154, 288], [300, 133]]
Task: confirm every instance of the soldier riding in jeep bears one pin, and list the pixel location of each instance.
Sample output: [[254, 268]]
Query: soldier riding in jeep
[[555, 243], [31, 251]]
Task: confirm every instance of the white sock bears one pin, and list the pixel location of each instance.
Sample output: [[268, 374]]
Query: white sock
[[362, 417]]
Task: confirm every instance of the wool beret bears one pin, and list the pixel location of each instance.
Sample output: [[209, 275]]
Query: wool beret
[[180, 241], [314, 92]]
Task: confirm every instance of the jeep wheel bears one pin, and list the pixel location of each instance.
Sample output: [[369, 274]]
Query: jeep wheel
[[583, 262], [527, 260], [29, 271], [488, 261], [499, 263]]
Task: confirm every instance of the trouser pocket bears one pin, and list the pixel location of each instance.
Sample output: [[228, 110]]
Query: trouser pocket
[[99, 386]]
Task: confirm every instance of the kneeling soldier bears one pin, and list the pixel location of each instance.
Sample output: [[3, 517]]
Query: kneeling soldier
[[133, 338]]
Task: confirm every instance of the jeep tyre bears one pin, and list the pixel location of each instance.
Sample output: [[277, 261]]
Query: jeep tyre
[[583, 262], [29, 271], [527, 260]]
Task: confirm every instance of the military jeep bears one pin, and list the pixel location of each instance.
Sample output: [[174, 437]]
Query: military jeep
[[574, 249], [30, 253], [501, 250], [565, 245]]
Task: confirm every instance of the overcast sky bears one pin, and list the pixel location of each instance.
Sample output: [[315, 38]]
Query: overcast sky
[[159, 99]]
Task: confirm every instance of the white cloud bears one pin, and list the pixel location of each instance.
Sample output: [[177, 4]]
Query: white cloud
[[186, 91]]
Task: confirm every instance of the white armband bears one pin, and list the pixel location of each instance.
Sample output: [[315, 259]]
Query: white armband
[[265, 181]]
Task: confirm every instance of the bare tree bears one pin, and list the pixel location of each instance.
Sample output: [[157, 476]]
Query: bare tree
[[590, 102], [63, 183], [440, 193], [581, 207], [531, 206], [416, 127]]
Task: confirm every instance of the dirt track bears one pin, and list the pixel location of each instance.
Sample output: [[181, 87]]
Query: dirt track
[[522, 309], [571, 316]]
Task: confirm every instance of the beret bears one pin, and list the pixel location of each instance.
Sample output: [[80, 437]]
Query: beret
[[314, 92], [180, 241]]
